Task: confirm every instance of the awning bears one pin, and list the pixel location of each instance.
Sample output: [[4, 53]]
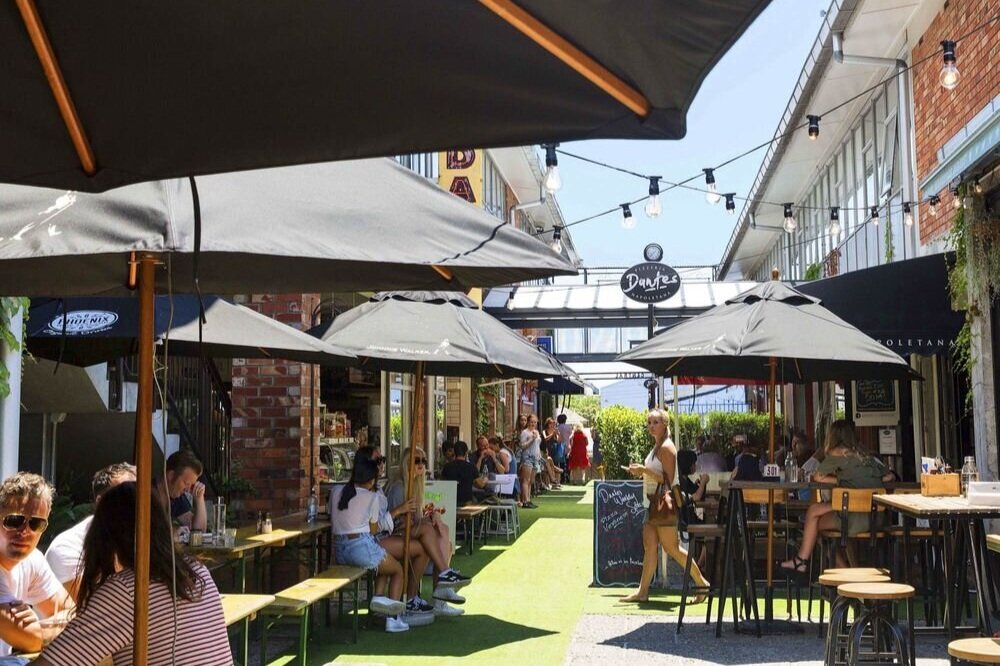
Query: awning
[[904, 305]]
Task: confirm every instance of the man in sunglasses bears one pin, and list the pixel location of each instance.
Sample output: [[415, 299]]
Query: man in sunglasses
[[27, 584], [65, 553]]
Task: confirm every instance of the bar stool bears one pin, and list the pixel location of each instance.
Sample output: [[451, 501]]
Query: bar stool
[[700, 535], [501, 520], [836, 637], [879, 615], [977, 650]]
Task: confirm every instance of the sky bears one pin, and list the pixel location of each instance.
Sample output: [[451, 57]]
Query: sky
[[738, 106]]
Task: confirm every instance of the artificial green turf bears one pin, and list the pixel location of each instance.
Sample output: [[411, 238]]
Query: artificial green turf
[[522, 606]]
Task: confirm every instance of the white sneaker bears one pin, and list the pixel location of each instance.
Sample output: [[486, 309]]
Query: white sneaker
[[443, 609], [394, 625], [448, 594], [386, 606]]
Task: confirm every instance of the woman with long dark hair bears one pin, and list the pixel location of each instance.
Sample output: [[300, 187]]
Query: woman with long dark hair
[[354, 519], [186, 623]]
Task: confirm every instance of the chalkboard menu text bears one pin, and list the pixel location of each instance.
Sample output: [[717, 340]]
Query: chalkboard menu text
[[618, 517]]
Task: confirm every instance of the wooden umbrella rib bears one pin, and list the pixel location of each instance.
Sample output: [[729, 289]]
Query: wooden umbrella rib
[[558, 46], [443, 272], [53, 74]]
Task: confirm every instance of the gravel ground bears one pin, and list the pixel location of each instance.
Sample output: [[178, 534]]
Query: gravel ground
[[600, 640]]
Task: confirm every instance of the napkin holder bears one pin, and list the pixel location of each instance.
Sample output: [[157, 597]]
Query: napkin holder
[[940, 485], [984, 493]]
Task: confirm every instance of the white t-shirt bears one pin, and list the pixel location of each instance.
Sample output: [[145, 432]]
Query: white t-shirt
[[565, 434], [65, 553], [361, 511], [530, 444], [31, 581]]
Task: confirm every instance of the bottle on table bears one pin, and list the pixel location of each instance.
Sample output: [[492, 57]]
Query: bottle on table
[[260, 522], [267, 523], [969, 474], [313, 507], [791, 469]]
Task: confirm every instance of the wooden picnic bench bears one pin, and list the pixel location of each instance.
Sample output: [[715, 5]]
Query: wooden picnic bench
[[242, 609], [294, 603]]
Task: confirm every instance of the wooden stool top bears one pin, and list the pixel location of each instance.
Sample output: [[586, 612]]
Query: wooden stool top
[[838, 579], [859, 570], [982, 650], [876, 591]]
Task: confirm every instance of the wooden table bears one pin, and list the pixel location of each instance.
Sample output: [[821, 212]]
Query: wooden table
[[242, 608], [468, 515], [964, 543]]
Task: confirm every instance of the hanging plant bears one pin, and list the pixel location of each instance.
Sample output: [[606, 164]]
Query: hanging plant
[[814, 271], [9, 306]]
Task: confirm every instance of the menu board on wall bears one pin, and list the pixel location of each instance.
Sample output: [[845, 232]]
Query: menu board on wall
[[618, 517], [876, 402]]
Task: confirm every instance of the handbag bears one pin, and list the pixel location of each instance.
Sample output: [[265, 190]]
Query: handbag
[[659, 513]]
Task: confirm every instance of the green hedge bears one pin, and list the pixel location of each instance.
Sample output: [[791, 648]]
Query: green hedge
[[624, 438]]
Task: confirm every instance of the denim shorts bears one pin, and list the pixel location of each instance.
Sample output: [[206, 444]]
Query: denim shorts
[[362, 551]]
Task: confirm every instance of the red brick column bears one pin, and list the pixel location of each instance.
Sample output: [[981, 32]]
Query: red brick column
[[271, 412]]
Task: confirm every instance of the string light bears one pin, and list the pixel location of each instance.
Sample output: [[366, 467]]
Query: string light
[[553, 182], [956, 198], [813, 127], [907, 214], [949, 71], [628, 222], [731, 203], [556, 243], [653, 206], [712, 193], [790, 224], [977, 186], [933, 204], [835, 222], [874, 215]]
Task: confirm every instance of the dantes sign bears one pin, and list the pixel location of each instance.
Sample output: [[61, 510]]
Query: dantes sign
[[650, 282]]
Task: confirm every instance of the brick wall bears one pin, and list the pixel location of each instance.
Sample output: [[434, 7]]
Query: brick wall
[[940, 113], [271, 411]]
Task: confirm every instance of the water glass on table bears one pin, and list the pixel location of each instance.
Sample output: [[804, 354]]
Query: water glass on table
[[52, 627], [230, 537]]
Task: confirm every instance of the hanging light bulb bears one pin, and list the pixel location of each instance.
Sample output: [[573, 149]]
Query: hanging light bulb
[[553, 182], [874, 213], [731, 203], [556, 243], [907, 214], [628, 222], [933, 204], [653, 205], [977, 186], [949, 72], [956, 198], [813, 127], [835, 222], [790, 223], [712, 195]]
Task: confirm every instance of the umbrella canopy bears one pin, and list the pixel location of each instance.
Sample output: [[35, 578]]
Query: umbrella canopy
[[369, 224], [738, 338], [445, 331], [84, 331], [192, 87]]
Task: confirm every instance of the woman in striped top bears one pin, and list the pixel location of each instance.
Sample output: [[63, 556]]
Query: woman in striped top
[[186, 627]]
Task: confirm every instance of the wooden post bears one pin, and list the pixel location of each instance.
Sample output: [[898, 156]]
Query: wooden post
[[143, 456], [416, 441], [773, 363]]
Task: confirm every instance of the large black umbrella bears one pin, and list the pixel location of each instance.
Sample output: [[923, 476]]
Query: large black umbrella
[[769, 331], [84, 331], [128, 92], [445, 333], [368, 224]]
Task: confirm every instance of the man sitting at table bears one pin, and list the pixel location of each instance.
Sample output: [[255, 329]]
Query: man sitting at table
[[185, 492], [471, 486], [27, 584], [65, 553]]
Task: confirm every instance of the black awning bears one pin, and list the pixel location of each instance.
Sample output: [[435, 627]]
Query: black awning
[[904, 305]]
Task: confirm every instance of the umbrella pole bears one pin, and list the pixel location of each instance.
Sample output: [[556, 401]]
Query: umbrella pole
[[143, 457], [769, 603], [415, 440]]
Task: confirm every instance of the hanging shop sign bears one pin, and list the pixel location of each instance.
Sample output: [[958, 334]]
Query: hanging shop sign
[[461, 173], [650, 282]]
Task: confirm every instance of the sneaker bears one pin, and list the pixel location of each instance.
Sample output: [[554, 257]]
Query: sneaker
[[452, 578], [386, 606], [444, 610], [395, 625], [418, 605], [448, 594], [530, 505]]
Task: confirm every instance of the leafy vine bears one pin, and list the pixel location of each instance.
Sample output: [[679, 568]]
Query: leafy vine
[[9, 307]]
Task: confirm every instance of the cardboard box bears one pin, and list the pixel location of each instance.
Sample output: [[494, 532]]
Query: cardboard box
[[940, 485]]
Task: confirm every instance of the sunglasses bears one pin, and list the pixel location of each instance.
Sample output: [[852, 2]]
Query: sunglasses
[[15, 522], [420, 461]]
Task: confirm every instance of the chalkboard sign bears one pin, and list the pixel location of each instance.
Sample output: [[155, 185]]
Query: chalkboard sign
[[618, 517], [875, 402]]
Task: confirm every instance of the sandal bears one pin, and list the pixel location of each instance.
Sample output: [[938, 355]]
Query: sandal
[[800, 567]]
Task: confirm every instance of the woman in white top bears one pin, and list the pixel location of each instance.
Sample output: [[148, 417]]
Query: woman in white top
[[530, 454], [660, 466]]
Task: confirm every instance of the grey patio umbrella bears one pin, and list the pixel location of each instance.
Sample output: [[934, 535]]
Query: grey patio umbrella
[[128, 92], [89, 330], [369, 224], [768, 332], [443, 332]]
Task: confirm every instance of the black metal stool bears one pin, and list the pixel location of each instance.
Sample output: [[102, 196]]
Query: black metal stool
[[836, 638], [879, 616]]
